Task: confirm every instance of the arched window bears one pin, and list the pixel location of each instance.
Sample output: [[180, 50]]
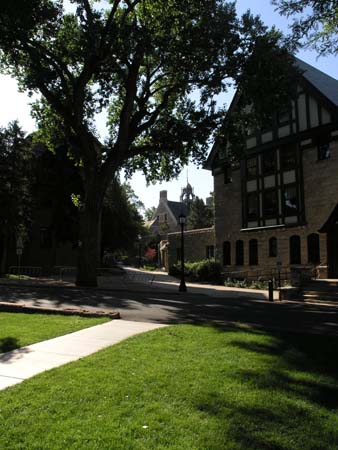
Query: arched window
[[239, 253], [313, 248], [226, 253], [273, 247], [295, 255], [253, 252]]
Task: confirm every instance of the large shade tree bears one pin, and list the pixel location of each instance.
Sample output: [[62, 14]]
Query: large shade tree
[[154, 65]]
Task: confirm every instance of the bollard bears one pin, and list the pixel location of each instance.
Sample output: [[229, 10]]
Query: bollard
[[270, 290]]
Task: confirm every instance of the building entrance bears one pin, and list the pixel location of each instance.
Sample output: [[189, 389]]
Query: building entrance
[[332, 251]]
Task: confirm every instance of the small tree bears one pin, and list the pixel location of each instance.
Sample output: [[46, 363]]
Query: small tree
[[200, 215], [121, 218], [16, 182], [149, 213]]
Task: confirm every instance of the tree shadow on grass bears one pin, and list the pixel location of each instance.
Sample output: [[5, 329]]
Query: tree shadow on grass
[[284, 394], [10, 350], [8, 344]]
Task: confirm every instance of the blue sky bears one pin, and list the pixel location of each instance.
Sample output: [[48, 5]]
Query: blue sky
[[15, 105]]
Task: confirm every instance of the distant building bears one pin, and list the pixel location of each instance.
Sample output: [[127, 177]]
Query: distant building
[[166, 216]]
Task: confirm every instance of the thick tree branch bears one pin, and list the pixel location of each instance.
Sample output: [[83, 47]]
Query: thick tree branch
[[137, 130], [89, 12]]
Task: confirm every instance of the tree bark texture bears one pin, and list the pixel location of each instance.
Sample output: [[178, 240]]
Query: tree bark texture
[[89, 236]]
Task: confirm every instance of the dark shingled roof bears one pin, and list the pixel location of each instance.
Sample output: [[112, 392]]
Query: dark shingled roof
[[177, 208], [327, 85]]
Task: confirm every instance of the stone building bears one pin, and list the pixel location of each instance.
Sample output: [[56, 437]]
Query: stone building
[[166, 216], [279, 205], [198, 245]]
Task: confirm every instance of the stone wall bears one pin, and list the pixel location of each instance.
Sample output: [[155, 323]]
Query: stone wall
[[320, 198], [195, 244]]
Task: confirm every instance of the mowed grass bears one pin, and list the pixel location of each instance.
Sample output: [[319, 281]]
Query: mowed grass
[[18, 329], [183, 387]]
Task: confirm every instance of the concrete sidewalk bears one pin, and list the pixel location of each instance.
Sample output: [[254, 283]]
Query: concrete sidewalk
[[25, 362]]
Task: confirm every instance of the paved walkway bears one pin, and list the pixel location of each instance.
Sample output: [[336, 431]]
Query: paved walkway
[[25, 362], [137, 280], [163, 281]]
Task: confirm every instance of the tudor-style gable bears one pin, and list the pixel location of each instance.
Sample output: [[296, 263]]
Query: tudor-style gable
[[313, 112], [271, 174]]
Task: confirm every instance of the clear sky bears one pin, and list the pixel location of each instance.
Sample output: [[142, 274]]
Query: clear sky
[[15, 105]]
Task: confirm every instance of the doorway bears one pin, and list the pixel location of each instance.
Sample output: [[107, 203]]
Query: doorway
[[332, 251]]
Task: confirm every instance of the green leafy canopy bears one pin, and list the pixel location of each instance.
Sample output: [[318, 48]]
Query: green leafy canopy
[[154, 65]]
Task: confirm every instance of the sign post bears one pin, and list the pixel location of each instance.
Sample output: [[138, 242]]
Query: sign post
[[19, 250], [279, 268]]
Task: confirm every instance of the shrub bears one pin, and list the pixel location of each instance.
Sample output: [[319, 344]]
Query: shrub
[[206, 270], [148, 267]]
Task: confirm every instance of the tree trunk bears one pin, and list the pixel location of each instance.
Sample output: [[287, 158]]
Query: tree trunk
[[89, 237], [87, 251], [3, 261]]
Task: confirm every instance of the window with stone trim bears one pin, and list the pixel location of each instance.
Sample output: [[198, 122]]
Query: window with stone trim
[[226, 253], [313, 248], [253, 252], [239, 253], [273, 247], [324, 151], [295, 250], [323, 147], [210, 251]]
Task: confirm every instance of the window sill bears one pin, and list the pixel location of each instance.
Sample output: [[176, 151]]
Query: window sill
[[269, 227]]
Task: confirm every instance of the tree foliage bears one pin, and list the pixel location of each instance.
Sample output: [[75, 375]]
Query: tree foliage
[[16, 182], [315, 23], [58, 183], [149, 213], [154, 65], [121, 218], [200, 215]]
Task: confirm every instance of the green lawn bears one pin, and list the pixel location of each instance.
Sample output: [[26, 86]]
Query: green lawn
[[183, 388], [18, 329]]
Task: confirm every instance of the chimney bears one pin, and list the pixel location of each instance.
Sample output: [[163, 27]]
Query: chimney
[[163, 196]]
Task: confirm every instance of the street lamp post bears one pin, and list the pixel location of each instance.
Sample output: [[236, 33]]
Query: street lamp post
[[182, 287], [139, 238]]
